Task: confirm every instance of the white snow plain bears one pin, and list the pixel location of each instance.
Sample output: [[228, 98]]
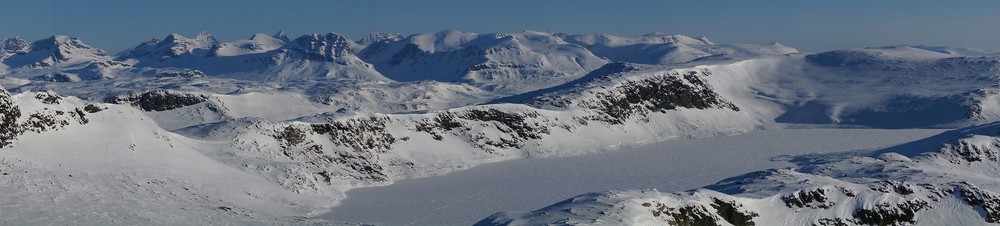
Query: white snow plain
[[466, 196]]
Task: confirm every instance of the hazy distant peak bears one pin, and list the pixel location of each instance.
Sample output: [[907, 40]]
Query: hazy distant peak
[[281, 36], [377, 37]]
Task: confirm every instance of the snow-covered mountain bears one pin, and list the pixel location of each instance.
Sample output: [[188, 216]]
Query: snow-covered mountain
[[173, 48], [57, 58], [505, 63], [295, 123], [260, 58]]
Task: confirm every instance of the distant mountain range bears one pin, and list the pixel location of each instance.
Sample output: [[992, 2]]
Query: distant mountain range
[[504, 63]]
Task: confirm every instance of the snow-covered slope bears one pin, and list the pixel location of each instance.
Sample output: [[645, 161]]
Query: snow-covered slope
[[113, 165], [505, 63], [942, 180]]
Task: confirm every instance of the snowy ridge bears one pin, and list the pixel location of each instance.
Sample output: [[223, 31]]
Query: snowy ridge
[[910, 184], [505, 63], [658, 48]]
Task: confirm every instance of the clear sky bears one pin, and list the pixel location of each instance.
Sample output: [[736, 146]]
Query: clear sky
[[805, 24]]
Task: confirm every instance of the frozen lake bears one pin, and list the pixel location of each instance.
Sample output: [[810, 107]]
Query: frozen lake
[[464, 197]]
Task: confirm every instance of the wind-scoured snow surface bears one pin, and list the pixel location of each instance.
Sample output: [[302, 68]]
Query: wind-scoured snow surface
[[274, 129]]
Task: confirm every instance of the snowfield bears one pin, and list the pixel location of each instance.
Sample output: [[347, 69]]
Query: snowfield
[[277, 130]]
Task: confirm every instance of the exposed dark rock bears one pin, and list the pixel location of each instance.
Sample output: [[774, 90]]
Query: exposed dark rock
[[816, 198], [361, 134], [683, 216], [182, 74], [39, 122], [977, 197], [442, 122], [891, 186], [159, 100], [831, 222], [48, 98], [658, 93], [887, 214], [9, 113], [514, 122], [731, 213], [90, 108], [970, 152], [360, 164], [518, 125], [291, 136]]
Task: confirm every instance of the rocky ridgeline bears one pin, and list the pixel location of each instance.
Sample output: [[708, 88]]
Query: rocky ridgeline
[[518, 127], [657, 93]]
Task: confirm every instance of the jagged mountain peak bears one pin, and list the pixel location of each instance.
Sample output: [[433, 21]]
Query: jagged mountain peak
[[377, 37], [328, 45], [175, 37], [281, 36], [200, 40], [172, 46], [14, 45]]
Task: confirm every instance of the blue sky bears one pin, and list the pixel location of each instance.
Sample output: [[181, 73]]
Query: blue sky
[[804, 24]]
